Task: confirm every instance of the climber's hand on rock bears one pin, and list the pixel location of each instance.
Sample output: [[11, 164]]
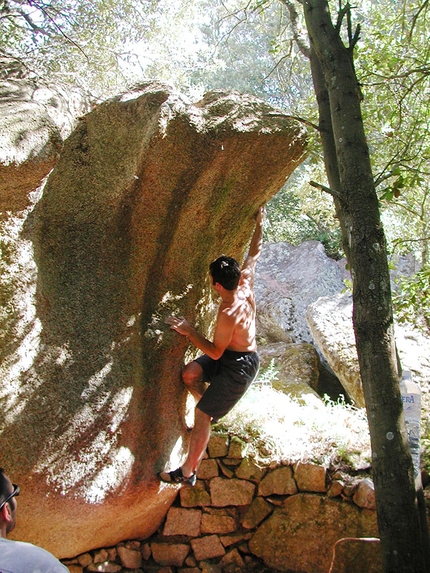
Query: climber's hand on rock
[[178, 323]]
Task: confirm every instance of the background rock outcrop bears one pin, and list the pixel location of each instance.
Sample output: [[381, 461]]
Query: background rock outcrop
[[302, 299], [330, 321], [34, 122], [295, 367], [147, 191], [289, 278]]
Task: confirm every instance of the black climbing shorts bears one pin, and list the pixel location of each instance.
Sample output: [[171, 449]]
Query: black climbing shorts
[[230, 377]]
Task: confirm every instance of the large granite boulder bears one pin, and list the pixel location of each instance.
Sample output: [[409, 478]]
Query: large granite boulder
[[293, 368], [34, 122], [330, 321], [149, 188]]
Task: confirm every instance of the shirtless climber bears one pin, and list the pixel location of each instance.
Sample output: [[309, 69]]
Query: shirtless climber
[[230, 363]]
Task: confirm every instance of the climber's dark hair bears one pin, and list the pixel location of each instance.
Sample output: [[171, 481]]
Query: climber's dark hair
[[225, 271]]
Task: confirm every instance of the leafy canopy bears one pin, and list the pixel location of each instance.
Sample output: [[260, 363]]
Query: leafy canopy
[[103, 46]]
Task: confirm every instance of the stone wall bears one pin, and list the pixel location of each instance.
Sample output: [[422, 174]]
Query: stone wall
[[248, 516]]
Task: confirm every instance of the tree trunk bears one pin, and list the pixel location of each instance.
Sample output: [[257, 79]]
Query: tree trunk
[[350, 176], [327, 140]]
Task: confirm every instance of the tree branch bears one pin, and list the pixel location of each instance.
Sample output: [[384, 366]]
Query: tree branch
[[296, 118], [278, 63], [402, 241], [302, 43], [423, 7], [322, 187], [59, 29], [37, 29], [341, 15]]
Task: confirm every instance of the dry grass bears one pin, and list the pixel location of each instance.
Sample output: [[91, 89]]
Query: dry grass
[[279, 428]]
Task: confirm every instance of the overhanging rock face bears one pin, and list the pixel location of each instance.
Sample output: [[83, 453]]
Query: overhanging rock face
[[147, 191]]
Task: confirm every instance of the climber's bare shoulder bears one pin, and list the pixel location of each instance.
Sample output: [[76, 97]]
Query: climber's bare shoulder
[[237, 317]]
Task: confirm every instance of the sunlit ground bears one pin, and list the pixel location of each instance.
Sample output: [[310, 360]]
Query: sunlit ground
[[279, 428]]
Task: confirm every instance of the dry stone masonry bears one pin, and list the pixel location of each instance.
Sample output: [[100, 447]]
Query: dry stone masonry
[[244, 515]]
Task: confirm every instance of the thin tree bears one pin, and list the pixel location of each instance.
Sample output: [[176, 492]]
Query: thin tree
[[402, 533]]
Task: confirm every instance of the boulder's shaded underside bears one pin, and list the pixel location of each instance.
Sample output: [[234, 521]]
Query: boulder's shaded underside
[[147, 191]]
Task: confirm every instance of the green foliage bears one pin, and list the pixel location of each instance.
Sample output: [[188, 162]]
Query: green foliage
[[103, 46], [393, 66], [78, 42], [301, 213], [412, 299], [394, 189], [425, 443], [267, 375], [348, 285]]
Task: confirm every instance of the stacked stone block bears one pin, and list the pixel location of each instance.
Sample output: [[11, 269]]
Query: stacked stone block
[[228, 520]]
